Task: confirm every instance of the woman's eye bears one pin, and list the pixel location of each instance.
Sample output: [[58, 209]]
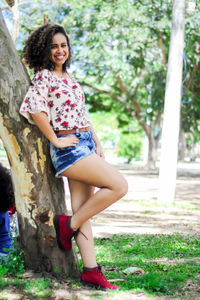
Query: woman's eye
[[53, 46]]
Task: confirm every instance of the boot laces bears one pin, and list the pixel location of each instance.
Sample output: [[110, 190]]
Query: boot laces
[[79, 231], [101, 274]]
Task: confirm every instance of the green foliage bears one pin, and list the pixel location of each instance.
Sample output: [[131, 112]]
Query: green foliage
[[12, 274], [130, 146], [128, 139], [105, 125], [13, 262]]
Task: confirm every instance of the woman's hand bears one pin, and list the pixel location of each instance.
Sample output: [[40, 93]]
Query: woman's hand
[[99, 150], [66, 141]]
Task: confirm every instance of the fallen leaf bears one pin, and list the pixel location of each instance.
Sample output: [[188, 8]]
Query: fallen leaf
[[133, 270]]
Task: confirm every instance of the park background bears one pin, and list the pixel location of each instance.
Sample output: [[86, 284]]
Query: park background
[[120, 54]]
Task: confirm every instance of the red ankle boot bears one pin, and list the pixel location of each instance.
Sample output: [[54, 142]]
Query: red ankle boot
[[64, 233], [95, 278]]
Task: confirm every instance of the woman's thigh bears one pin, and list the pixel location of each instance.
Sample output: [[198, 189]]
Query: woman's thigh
[[95, 171]]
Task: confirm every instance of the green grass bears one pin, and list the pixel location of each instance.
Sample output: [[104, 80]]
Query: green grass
[[168, 262], [12, 275], [166, 277]]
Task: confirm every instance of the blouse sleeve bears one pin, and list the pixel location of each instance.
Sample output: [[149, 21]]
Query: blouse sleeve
[[36, 99]]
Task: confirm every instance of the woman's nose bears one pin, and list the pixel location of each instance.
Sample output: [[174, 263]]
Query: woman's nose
[[59, 49]]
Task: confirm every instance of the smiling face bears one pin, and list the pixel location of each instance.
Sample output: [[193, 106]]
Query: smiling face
[[59, 50]]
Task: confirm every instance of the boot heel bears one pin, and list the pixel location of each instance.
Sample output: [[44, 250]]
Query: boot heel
[[56, 225]]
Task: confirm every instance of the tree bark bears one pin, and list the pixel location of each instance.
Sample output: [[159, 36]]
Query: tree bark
[[39, 195]]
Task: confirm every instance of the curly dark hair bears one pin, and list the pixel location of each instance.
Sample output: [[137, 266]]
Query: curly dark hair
[[37, 50], [6, 188]]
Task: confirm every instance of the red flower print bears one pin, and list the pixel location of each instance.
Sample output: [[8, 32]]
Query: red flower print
[[75, 127], [50, 103], [65, 124], [68, 101], [67, 109], [38, 78], [57, 95], [65, 81], [64, 92], [74, 86], [73, 105], [52, 89], [26, 100]]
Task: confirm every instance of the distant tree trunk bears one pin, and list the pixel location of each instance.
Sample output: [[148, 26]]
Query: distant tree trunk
[[182, 146], [153, 140], [15, 30], [152, 152], [39, 195], [171, 124]]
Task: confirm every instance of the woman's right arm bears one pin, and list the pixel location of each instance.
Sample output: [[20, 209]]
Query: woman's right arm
[[41, 120]]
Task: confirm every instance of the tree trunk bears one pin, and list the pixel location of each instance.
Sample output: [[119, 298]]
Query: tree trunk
[[182, 146], [15, 30], [171, 123], [152, 152], [39, 195]]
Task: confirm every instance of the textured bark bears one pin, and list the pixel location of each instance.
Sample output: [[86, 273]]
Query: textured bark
[[39, 195]]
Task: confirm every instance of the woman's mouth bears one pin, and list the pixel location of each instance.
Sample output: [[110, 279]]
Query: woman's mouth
[[59, 57]]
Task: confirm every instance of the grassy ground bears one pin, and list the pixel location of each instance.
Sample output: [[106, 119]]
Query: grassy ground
[[169, 262]]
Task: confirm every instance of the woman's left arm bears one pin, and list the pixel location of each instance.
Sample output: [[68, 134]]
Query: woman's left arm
[[99, 148]]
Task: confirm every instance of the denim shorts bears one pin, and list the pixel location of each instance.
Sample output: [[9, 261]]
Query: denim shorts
[[63, 158]]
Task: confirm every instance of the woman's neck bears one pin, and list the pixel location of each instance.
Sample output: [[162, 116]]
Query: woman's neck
[[59, 72]]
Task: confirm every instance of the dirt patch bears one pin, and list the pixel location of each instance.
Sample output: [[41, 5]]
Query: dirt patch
[[173, 261]]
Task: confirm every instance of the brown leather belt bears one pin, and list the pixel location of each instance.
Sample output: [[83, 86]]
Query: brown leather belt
[[73, 130]]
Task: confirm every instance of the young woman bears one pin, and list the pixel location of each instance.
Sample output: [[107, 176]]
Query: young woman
[[55, 103]]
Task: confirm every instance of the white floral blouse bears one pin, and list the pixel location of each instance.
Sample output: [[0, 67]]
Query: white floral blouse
[[61, 99]]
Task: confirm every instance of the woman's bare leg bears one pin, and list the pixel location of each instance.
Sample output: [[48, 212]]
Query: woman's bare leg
[[95, 171], [80, 193]]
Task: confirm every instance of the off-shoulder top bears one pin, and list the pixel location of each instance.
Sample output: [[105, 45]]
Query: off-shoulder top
[[62, 99]]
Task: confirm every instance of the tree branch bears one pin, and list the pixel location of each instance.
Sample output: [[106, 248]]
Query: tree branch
[[191, 78], [122, 86], [112, 95], [6, 8], [134, 114], [164, 60], [157, 119]]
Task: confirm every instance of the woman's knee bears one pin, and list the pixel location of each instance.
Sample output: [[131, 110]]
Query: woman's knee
[[121, 187]]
